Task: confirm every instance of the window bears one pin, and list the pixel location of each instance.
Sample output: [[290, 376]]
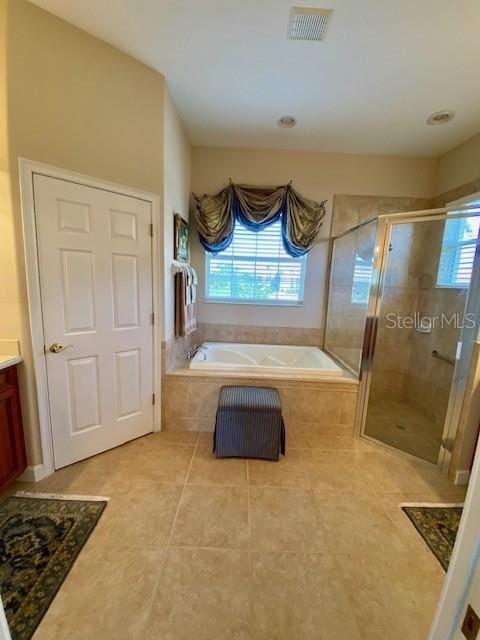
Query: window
[[362, 277], [255, 268], [458, 252]]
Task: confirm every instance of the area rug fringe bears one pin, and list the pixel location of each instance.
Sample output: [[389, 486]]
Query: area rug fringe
[[431, 504], [60, 496]]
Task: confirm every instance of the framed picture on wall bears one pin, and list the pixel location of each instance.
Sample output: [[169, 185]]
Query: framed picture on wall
[[181, 238]]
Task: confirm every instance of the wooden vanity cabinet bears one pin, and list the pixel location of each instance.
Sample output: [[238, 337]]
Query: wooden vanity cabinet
[[13, 459]]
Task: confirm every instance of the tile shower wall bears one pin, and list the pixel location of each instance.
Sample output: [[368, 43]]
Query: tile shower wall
[[428, 381], [350, 210], [348, 301], [404, 365], [346, 317], [467, 189], [399, 296], [190, 403], [410, 388]]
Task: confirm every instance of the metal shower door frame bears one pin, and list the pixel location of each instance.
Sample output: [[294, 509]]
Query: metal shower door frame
[[385, 226]]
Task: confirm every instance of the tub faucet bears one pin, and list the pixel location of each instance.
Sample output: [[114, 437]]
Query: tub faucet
[[191, 354]]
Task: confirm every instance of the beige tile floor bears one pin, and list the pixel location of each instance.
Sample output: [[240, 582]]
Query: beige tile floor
[[313, 547]]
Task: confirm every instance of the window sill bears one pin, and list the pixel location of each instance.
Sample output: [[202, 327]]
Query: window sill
[[254, 303]]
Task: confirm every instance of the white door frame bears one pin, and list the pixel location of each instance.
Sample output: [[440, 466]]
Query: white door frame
[[451, 605], [27, 170], [4, 632]]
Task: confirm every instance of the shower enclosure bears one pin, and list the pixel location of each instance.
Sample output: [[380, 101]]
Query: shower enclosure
[[402, 316]]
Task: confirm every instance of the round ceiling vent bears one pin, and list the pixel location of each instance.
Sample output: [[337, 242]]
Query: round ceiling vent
[[286, 122], [440, 117]]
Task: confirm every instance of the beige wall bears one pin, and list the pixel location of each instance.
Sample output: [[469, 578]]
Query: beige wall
[[9, 293], [77, 103], [177, 170], [318, 176], [459, 166]]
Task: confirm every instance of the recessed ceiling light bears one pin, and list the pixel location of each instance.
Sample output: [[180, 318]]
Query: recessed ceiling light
[[286, 122], [440, 117]]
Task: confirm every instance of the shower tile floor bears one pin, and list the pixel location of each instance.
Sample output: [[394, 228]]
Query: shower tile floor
[[404, 427], [313, 547]]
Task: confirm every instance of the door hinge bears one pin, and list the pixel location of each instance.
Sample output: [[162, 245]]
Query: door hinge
[[153, 398], [150, 229], [448, 444], [152, 318]]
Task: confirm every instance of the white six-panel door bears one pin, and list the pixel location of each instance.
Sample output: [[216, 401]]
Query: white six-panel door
[[94, 249]]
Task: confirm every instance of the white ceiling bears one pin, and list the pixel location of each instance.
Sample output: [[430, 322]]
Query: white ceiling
[[383, 67]]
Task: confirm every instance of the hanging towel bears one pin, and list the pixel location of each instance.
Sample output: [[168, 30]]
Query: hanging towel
[[186, 281]]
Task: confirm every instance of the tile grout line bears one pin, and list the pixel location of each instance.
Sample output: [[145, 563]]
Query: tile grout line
[[249, 514], [167, 547], [248, 497], [154, 591], [181, 497], [250, 563]]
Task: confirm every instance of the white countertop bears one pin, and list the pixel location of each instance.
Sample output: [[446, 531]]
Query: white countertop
[[8, 361]]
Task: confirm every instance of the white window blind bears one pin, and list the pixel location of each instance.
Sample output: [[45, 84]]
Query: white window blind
[[458, 252], [362, 277], [255, 268]]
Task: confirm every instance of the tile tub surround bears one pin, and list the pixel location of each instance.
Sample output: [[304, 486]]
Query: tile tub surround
[[194, 547], [190, 401], [174, 349], [297, 336]]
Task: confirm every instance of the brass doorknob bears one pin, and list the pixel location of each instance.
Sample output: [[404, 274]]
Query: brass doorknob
[[56, 347]]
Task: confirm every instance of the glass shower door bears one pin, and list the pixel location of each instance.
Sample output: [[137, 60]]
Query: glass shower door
[[420, 314], [350, 278]]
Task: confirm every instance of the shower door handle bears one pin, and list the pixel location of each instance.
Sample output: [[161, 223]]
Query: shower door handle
[[369, 338]]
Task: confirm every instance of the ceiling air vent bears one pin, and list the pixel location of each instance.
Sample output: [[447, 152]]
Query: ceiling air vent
[[308, 24]]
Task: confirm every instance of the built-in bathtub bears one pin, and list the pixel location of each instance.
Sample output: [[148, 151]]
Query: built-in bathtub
[[261, 359], [317, 395]]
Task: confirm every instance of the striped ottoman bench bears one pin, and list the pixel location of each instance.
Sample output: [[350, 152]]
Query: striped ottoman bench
[[249, 423]]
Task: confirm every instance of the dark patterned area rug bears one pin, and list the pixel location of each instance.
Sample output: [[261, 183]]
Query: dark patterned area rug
[[40, 538], [438, 526]]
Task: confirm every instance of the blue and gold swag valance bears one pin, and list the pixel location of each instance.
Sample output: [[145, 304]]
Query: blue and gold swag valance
[[256, 208]]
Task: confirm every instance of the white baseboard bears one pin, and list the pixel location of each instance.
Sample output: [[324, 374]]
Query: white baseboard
[[35, 473], [462, 477]]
